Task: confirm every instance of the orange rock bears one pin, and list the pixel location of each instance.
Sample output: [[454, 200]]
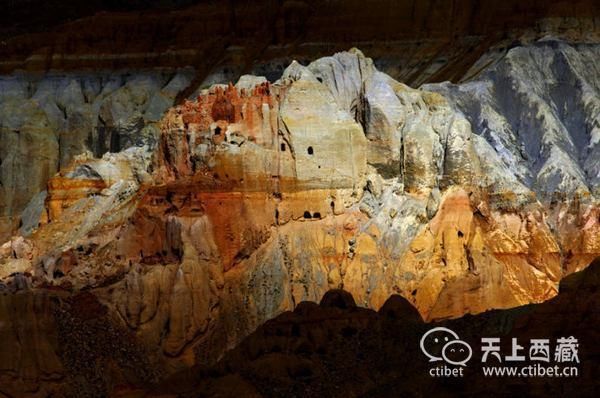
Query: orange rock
[[63, 192]]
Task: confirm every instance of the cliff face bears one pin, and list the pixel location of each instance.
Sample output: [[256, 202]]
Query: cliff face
[[538, 109], [68, 86], [337, 348], [48, 120], [261, 195]]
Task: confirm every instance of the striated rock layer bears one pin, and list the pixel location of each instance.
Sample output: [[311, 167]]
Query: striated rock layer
[[67, 87], [261, 195]]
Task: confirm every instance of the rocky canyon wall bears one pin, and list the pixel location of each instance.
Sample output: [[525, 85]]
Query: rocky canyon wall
[[48, 120], [46, 117], [253, 197]]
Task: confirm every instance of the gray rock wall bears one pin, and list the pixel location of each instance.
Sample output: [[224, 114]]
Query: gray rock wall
[[45, 121], [539, 109]]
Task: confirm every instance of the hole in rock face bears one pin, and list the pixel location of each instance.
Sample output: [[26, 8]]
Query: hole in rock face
[[282, 147], [460, 234], [310, 150], [317, 215], [115, 141], [332, 204], [414, 292], [307, 214], [218, 131], [320, 79]]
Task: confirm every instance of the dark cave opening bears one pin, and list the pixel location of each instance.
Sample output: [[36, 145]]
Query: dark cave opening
[[115, 141]]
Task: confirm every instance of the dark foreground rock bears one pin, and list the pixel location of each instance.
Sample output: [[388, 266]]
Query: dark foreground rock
[[336, 349]]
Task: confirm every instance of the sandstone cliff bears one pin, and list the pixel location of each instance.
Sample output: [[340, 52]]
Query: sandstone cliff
[[252, 198], [159, 53], [337, 348]]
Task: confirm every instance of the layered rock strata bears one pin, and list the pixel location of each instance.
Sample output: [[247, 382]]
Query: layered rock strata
[[261, 195], [128, 73]]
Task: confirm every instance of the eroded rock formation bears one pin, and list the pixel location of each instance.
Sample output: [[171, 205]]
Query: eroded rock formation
[[67, 86], [47, 121], [336, 348], [262, 195]]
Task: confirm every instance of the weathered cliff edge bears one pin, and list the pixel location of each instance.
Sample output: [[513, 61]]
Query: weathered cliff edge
[[259, 196]]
